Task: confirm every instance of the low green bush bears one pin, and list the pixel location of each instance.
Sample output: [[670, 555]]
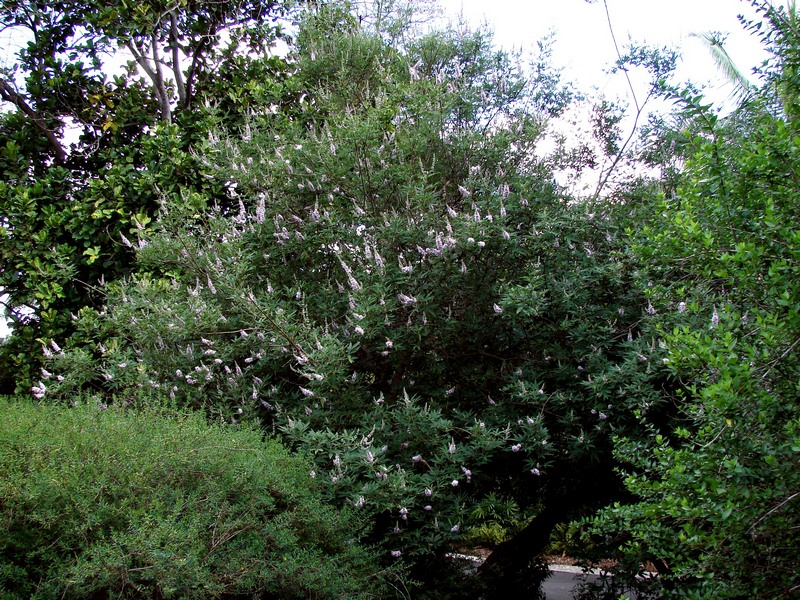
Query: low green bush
[[101, 502]]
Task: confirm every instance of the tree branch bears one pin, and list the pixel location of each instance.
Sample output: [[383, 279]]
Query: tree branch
[[605, 176], [619, 56], [176, 65], [161, 90], [191, 74], [768, 513], [141, 60], [9, 94], [154, 73]]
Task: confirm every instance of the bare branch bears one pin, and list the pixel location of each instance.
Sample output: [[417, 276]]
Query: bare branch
[[153, 71], [605, 176], [619, 56], [141, 59], [768, 513]]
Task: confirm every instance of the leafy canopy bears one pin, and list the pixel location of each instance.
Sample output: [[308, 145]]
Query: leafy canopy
[[717, 493], [89, 148]]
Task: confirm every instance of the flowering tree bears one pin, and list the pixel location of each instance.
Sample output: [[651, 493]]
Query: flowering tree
[[405, 295]]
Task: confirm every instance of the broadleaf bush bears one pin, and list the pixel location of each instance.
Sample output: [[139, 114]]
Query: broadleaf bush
[[717, 493]]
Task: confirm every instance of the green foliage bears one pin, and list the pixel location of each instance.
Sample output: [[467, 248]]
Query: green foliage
[[405, 294], [129, 504], [497, 520], [382, 269], [572, 539], [86, 157], [718, 491]]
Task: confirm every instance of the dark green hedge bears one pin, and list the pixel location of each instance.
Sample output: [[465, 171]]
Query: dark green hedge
[[101, 503]]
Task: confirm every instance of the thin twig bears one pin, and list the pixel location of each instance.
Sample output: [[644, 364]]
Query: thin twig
[[759, 521], [716, 437], [619, 56], [780, 358], [639, 109]]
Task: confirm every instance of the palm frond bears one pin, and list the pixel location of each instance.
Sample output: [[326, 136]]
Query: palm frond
[[742, 86]]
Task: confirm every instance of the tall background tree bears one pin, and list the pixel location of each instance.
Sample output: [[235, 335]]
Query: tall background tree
[[90, 147]]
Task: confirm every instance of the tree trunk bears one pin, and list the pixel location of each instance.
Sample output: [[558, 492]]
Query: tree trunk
[[508, 571], [511, 569]]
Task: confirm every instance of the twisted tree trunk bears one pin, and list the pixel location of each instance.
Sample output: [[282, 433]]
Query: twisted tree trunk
[[511, 569]]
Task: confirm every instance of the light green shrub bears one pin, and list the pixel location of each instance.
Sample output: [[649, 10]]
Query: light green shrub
[[98, 502]]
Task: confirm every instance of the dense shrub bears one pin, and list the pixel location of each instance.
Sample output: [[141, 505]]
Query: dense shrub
[[406, 294], [106, 502], [717, 510]]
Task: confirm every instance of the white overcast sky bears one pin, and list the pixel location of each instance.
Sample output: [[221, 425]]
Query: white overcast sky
[[584, 46], [583, 42]]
